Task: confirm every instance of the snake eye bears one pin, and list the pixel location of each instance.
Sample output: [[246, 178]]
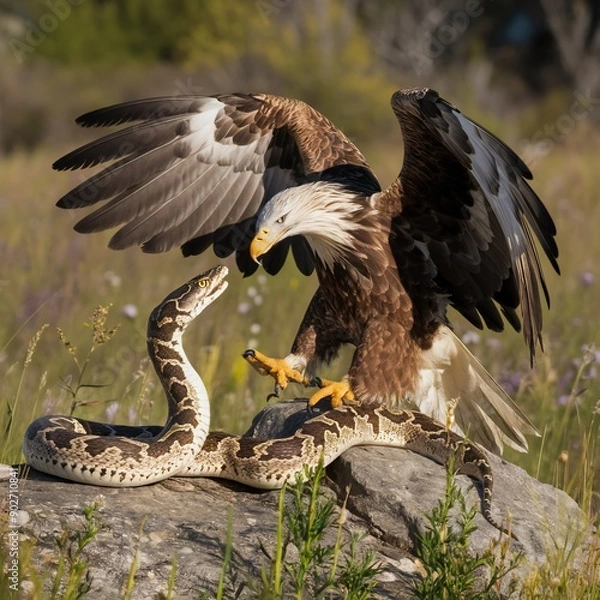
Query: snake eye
[[202, 283]]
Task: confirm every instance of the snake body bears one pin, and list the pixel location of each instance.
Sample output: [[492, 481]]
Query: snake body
[[101, 454], [122, 456]]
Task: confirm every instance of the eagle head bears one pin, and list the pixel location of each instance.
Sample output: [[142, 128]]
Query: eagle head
[[323, 212]]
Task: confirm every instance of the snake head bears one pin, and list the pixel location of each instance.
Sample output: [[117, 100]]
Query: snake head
[[184, 304]]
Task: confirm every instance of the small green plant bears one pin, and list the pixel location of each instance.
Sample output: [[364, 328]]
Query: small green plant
[[303, 564], [134, 564], [100, 335], [320, 569], [73, 579], [226, 558], [451, 569]]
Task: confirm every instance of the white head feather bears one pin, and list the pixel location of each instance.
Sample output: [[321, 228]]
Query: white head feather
[[321, 211]]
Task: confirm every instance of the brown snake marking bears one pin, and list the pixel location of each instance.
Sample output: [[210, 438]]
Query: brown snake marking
[[120, 456]]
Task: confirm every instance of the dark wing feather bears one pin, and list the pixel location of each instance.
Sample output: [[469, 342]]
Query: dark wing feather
[[464, 195], [194, 171]]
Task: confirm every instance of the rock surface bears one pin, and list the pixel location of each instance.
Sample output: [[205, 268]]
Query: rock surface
[[390, 490]]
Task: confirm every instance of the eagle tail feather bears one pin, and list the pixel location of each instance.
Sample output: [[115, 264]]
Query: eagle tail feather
[[484, 412]]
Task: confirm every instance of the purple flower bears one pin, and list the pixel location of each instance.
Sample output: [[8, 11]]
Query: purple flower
[[130, 311], [566, 380], [587, 278], [510, 381]]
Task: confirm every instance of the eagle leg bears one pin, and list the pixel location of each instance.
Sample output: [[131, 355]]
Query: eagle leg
[[277, 368], [339, 391]]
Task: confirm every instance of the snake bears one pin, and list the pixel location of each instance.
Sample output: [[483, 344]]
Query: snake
[[109, 455]]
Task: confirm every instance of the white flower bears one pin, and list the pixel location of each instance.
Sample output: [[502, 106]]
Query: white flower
[[471, 337], [244, 307], [111, 411], [112, 278], [130, 311]]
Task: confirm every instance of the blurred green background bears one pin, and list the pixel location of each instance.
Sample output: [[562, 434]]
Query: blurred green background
[[527, 70]]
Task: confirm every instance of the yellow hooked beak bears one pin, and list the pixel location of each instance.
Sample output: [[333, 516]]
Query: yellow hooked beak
[[261, 244]]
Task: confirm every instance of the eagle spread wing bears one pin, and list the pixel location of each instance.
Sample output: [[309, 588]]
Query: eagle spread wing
[[195, 171], [463, 194]]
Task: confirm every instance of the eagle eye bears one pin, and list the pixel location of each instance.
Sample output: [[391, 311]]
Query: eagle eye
[[281, 220]]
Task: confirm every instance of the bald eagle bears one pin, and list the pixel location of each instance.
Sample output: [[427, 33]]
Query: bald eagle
[[260, 175]]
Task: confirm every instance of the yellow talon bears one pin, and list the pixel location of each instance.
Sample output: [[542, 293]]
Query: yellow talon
[[276, 368], [340, 393]]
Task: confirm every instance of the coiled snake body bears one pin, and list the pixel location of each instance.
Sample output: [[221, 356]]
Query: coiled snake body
[[121, 456]]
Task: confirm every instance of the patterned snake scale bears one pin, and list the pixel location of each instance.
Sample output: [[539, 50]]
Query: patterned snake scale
[[123, 456]]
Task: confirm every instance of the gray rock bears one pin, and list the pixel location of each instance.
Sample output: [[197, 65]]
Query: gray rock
[[390, 490]]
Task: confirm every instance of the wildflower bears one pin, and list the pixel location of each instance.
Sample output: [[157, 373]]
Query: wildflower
[[255, 328], [494, 344], [258, 299], [590, 354], [130, 311], [112, 279], [111, 411], [586, 279], [471, 337], [511, 381], [132, 415], [252, 291], [101, 334], [244, 307], [72, 350], [33, 344], [563, 457]]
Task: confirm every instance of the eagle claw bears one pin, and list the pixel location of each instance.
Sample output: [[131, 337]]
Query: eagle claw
[[339, 391], [276, 368]]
